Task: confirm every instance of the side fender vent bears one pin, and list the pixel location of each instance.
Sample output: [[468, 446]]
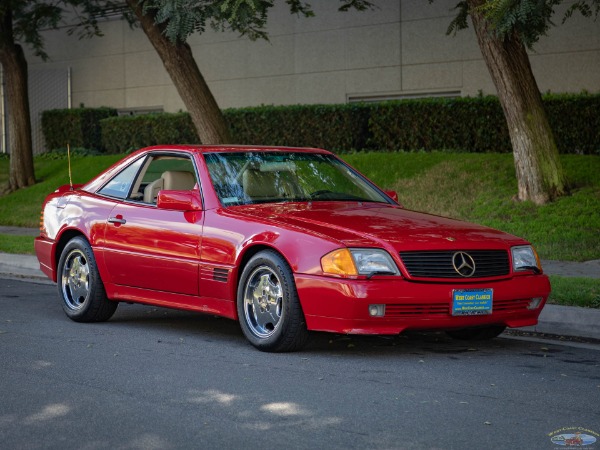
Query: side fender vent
[[221, 275]]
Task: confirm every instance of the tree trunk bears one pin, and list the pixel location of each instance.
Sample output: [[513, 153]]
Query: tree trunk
[[183, 70], [14, 66], [539, 172]]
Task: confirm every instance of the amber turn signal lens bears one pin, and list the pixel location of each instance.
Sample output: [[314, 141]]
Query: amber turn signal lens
[[537, 257], [339, 262]]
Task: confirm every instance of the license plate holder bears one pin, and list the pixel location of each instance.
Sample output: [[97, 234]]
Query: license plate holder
[[472, 302]]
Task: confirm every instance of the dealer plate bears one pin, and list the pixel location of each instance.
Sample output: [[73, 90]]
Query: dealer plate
[[472, 302]]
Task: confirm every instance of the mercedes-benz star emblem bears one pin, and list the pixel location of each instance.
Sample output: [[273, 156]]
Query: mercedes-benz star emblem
[[464, 264]]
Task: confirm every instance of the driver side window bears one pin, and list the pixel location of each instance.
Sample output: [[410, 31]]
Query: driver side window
[[165, 173]]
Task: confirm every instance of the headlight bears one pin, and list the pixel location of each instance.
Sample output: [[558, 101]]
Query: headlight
[[358, 261], [525, 258]]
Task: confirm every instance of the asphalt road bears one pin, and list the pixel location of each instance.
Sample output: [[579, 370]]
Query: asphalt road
[[152, 378]]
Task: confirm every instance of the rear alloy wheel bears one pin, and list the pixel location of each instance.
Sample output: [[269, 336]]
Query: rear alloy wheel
[[79, 285], [269, 311], [476, 333]]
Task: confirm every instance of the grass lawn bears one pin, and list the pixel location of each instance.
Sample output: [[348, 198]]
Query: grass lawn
[[16, 244], [480, 188], [575, 291], [22, 208]]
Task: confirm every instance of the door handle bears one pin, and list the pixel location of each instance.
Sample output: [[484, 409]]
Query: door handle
[[117, 220]]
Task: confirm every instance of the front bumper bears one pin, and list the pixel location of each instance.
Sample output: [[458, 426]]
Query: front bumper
[[342, 306]]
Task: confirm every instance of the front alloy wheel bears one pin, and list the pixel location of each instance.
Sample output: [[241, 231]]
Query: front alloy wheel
[[269, 311], [263, 300]]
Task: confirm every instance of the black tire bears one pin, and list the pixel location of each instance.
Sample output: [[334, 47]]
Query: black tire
[[269, 311], [477, 333], [79, 285]]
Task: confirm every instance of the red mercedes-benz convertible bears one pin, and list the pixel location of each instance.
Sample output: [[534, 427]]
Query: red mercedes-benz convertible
[[285, 240]]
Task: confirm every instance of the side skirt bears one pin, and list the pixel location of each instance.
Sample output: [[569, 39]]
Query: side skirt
[[206, 305]]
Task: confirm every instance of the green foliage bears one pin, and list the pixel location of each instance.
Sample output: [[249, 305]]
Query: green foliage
[[478, 124], [575, 122], [461, 21], [31, 17], [78, 127], [451, 124], [471, 124], [529, 19], [587, 8], [126, 133], [181, 18], [62, 153], [335, 127]]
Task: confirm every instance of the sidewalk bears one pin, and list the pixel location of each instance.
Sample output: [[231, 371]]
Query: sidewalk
[[554, 319]]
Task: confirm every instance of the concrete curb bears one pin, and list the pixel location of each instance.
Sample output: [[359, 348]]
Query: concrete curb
[[554, 319], [22, 267], [568, 321]]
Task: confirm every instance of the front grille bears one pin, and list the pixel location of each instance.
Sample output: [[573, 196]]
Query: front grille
[[438, 264]]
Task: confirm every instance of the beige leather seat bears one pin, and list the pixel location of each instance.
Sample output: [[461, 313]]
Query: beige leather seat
[[178, 181], [151, 191], [270, 185], [169, 180]]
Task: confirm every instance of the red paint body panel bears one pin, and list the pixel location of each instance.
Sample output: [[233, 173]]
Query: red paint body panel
[[155, 249], [45, 252], [167, 256], [202, 304]]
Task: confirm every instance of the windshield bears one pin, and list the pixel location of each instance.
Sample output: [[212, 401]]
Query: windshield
[[269, 177]]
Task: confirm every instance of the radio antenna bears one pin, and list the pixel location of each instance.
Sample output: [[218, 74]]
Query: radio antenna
[[69, 159]]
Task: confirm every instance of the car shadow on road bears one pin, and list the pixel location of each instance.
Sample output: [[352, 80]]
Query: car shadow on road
[[204, 327]]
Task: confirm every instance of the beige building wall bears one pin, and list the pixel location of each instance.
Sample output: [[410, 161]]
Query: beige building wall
[[400, 49]]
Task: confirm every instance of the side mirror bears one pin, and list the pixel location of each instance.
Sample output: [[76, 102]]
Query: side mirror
[[179, 200], [394, 196]]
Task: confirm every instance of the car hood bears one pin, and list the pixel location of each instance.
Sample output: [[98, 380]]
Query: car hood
[[374, 224]]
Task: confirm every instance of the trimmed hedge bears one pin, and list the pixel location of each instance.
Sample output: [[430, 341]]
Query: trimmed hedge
[[465, 124], [126, 133], [453, 124], [78, 127], [478, 124], [575, 122], [334, 127]]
